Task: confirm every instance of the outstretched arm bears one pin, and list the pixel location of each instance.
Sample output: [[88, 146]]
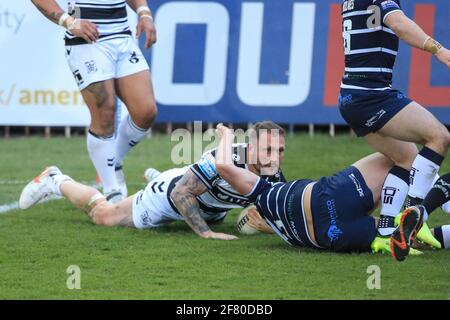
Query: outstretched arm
[[80, 28], [243, 181], [184, 197], [411, 33]]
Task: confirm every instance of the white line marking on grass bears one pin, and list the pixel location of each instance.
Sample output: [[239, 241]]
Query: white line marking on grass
[[9, 207], [15, 205]]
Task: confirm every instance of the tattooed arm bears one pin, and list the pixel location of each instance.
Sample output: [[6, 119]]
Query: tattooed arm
[[50, 9], [79, 28], [184, 197]]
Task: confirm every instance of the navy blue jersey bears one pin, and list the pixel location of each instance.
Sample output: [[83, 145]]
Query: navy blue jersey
[[281, 206], [370, 47]]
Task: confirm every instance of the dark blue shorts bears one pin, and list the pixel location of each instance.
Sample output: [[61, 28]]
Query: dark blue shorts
[[369, 111], [340, 207]]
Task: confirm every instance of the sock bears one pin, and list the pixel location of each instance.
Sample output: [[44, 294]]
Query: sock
[[446, 206], [102, 153], [442, 234], [438, 195], [57, 179], [393, 196], [129, 136], [424, 168]]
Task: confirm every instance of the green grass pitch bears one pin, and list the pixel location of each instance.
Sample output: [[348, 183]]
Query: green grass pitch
[[37, 246]]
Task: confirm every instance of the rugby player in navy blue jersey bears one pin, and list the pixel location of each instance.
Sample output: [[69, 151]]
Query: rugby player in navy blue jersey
[[332, 213], [390, 122]]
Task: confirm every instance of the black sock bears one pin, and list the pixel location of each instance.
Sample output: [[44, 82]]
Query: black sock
[[438, 195]]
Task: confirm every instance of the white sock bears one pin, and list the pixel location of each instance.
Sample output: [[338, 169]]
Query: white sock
[[442, 234], [394, 191], [424, 169], [446, 206], [57, 180], [129, 136], [102, 153], [393, 196]]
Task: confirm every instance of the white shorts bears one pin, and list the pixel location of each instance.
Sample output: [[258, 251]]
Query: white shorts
[[104, 60], [151, 206]]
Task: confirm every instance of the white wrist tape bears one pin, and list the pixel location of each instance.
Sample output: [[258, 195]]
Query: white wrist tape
[[146, 16], [142, 8], [63, 18]]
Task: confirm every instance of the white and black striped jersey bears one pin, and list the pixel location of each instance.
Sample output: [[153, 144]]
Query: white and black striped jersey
[[370, 47], [110, 16], [220, 195]]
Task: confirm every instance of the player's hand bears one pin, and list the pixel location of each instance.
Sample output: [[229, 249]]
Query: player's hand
[[222, 130], [216, 235], [257, 222], [86, 30], [443, 56], [146, 25]]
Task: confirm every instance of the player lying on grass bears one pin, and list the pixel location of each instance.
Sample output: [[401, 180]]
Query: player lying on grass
[[195, 194], [333, 212]]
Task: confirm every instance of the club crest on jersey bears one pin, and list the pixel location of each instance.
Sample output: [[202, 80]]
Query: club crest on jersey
[[91, 66], [236, 157]]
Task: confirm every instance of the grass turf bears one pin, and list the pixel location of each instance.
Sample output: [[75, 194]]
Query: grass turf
[[37, 246]]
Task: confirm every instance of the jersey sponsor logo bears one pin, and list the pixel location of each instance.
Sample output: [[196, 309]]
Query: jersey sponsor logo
[[206, 164], [333, 231], [375, 118], [357, 185]]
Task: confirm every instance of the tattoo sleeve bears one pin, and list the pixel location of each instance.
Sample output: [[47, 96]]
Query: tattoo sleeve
[[50, 9], [184, 197]]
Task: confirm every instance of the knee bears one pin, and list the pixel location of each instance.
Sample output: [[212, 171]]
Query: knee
[[146, 118], [407, 158], [103, 122], [439, 141], [101, 216]]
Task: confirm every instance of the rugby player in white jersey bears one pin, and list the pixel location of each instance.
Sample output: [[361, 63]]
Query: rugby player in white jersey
[[195, 194], [107, 63]]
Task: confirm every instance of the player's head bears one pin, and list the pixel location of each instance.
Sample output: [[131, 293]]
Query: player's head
[[266, 147]]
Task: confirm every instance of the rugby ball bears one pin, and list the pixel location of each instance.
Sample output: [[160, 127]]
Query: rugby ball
[[242, 222]]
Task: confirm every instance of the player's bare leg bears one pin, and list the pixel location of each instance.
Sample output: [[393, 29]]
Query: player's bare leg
[[413, 124], [416, 124], [95, 205], [136, 91], [53, 182], [396, 185], [374, 169], [101, 100]]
